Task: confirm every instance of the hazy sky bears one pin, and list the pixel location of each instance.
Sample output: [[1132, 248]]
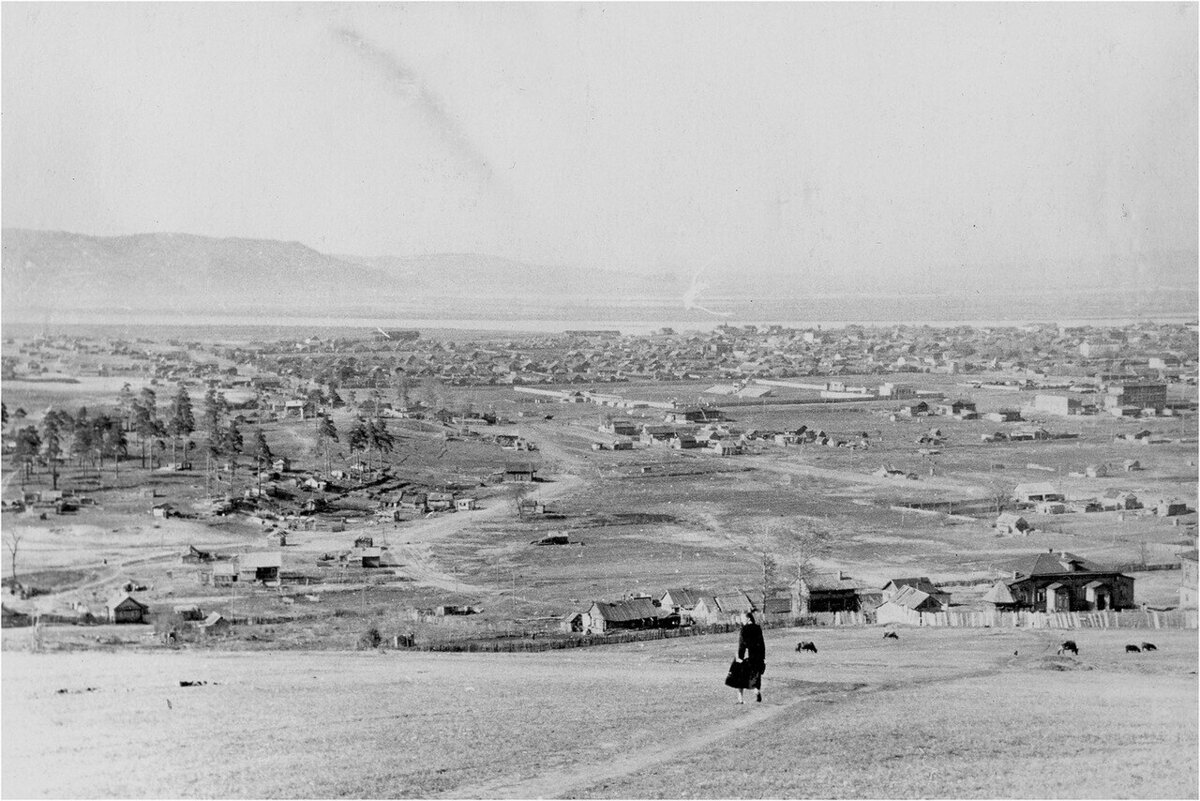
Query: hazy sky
[[850, 139]]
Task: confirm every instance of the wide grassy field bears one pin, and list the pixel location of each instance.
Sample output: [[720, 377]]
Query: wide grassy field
[[939, 713]]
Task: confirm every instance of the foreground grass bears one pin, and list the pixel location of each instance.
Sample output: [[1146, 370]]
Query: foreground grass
[[948, 713]]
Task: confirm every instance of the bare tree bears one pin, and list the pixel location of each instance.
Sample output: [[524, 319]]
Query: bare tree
[[794, 545], [519, 492], [12, 542]]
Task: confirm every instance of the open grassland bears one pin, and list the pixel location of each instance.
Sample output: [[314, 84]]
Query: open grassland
[[938, 713]]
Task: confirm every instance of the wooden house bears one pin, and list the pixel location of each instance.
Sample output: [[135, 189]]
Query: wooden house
[[636, 613], [1041, 491], [895, 588], [681, 602], [1119, 500], [216, 623], [519, 473], [439, 501], [1171, 507], [900, 607], [413, 502], [1012, 523], [124, 608], [1063, 582], [826, 592], [260, 566]]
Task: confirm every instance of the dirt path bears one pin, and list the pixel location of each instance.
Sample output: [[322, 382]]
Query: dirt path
[[576, 779], [416, 553], [567, 782]]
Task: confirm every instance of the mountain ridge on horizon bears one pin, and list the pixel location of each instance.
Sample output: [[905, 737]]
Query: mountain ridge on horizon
[[172, 270]]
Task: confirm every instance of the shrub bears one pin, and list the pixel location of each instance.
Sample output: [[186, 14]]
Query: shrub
[[371, 638]]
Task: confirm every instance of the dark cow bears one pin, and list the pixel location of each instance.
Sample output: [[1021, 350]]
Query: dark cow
[[1132, 649], [891, 635], [1149, 646], [1068, 646], [805, 645]]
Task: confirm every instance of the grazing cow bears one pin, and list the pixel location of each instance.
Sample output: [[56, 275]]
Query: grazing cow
[[1132, 649], [891, 635], [805, 645], [1149, 646], [1068, 645]]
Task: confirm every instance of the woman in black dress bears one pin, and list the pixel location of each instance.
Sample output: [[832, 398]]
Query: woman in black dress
[[752, 653]]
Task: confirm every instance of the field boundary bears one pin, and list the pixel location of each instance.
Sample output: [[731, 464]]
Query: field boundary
[[1178, 619]]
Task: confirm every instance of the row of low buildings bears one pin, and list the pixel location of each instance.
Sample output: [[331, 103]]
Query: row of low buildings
[[1054, 581]]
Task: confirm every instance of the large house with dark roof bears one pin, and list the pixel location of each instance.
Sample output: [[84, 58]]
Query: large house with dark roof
[[1057, 581], [828, 592], [635, 613]]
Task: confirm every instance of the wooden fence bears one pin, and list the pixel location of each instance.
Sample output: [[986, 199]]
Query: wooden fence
[[1177, 619]]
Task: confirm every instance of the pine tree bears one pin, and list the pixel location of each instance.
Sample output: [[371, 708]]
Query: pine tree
[[182, 422], [326, 435], [234, 445], [81, 436], [52, 444], [29, 443], [125, 401], [357, 439], [112, 441]]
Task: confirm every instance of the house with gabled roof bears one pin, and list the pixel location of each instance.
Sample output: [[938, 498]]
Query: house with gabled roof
[[827, 592], [907, 600], [1040, 491], [1057, 581], [124, 608], [634, 613], [895, 587], [1001, 597], [1012, 523], [680, 601], [1119, 500]]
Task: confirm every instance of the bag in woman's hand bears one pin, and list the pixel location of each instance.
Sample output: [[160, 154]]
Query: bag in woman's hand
[[736, 678]]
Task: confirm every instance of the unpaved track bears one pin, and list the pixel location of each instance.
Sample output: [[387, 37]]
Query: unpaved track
[[570, 782], [415, 554]]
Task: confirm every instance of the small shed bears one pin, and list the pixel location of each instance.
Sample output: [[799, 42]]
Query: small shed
[[521, 473], [371, 557], [1170, 508], [224, 574], [216, 623], [261, 566], [125, 608], [464, 504], [1001, 597], [1011, 523]]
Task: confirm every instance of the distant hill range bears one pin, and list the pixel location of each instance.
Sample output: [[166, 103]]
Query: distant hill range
[[53, 270], [52, 273]]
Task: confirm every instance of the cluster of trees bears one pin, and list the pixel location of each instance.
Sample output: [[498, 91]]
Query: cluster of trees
[[369, 436], [62, 437]]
